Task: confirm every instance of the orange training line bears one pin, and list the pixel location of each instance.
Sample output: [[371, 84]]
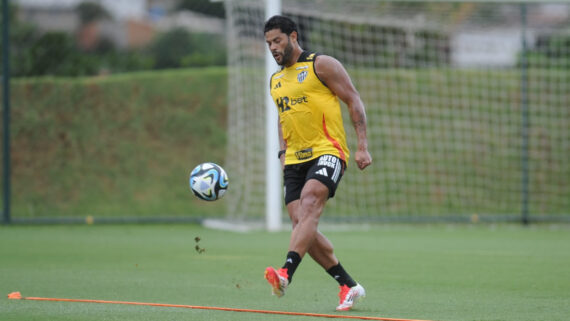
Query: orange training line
[[18, 296]]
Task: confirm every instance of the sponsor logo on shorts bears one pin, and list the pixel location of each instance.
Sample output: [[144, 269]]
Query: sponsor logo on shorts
[[332, 162]]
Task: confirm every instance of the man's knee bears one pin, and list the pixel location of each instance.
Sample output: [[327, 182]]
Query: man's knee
[[310, 199], [314, 195]]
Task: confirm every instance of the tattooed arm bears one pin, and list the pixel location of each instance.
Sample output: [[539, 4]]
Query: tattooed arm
[[333, 74]]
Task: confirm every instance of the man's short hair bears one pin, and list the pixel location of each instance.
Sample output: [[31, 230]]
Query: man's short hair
[[285, 24]]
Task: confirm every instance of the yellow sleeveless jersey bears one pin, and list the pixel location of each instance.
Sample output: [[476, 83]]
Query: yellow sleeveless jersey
[[309, 113]]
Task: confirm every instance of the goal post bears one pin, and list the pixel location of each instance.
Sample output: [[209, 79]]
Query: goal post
[[467, 108], [273, 203]]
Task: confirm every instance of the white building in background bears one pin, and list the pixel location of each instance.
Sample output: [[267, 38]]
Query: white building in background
[[500, 45], [494, 48]]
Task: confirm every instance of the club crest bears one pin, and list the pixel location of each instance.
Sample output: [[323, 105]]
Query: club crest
[[302, 75]]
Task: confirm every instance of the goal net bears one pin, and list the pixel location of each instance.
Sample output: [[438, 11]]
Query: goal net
[[467, 105]]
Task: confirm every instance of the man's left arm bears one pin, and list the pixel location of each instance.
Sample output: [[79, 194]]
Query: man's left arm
[[335, 76]]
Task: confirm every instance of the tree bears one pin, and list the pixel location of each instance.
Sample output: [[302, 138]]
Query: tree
[[206, 7], [91, 12], [180, 48]]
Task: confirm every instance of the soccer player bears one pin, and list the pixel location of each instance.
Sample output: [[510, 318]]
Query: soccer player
[[314, 152]]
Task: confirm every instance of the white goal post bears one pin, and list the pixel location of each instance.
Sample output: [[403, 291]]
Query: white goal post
[[273, 198]]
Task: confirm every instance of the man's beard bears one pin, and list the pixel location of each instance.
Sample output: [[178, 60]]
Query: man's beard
[[287, 53]]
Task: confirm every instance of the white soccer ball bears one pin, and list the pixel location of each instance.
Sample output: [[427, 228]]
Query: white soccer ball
[[209, 181]]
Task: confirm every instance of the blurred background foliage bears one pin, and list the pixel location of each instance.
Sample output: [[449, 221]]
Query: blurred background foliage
[[40, 52], [207, 7]]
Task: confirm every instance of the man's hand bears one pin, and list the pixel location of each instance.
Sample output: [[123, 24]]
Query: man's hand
[[362, 158]]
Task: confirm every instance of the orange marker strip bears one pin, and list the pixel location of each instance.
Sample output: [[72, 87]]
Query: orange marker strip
[[18, 296]]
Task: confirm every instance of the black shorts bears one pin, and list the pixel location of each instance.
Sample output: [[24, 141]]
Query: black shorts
[[327, 169]]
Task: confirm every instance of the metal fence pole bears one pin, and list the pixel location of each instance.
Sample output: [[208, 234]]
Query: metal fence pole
[[525, 122], [6, 105]]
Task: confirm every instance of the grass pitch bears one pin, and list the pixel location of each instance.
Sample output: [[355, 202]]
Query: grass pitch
[[433, 272]]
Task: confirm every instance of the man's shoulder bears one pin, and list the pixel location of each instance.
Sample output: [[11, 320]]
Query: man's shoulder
[[308, 56], [327, 62]]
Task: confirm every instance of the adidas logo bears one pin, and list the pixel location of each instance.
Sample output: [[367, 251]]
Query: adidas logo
[[277, 86], [323, 172], [289, 260]]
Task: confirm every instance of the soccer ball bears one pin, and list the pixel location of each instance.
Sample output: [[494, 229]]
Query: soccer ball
[[208, 181]]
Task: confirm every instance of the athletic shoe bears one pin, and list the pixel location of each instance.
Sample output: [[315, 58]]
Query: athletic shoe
[[278, 279], [349, 296]]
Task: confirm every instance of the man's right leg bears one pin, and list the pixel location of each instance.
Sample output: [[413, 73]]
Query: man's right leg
[[304, 236], [321, 250]]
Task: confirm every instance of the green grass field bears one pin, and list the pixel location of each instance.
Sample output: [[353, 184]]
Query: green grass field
[[432, 272]]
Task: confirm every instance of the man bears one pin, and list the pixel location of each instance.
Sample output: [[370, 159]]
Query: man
[[314, 153]]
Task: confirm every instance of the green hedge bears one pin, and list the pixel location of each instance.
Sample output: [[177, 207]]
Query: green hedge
[[120, 145]]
